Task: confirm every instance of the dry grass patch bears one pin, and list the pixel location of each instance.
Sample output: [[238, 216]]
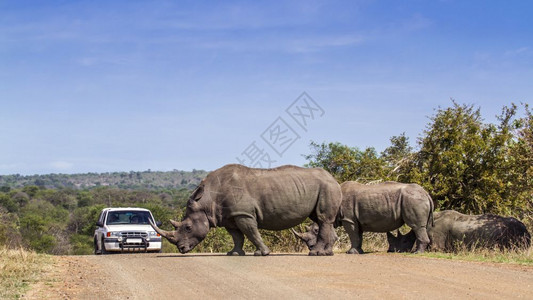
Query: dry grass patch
[[512, 256], [19, 269]]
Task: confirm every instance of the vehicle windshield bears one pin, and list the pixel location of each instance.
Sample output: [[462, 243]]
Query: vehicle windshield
[[128, 217]]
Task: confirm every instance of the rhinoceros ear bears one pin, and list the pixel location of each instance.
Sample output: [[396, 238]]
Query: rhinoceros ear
[[198, 193]]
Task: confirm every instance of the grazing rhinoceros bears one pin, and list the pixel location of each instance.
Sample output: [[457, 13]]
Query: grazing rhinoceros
[[452, 229], [381, 208], [310, 236], [243, 199]]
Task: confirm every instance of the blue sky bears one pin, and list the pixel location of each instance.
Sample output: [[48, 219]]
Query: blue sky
[[103, 86]]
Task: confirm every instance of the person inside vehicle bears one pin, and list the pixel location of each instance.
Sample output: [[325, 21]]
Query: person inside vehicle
[[134, 219], [113, 218]]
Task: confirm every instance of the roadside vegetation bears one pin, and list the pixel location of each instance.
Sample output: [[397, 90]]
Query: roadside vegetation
[[19, 269], [514, 256]]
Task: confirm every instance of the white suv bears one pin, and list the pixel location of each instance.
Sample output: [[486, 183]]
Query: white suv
[[126, 229]]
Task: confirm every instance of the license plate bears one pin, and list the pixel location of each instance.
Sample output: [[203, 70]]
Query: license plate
[[135, 240]]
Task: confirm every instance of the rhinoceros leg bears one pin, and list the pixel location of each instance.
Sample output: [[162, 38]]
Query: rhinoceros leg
[[422, 239], [238, 241], [248, 226], [356, 237]]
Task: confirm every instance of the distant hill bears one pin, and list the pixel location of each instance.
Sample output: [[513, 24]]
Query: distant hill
[[125, 180]]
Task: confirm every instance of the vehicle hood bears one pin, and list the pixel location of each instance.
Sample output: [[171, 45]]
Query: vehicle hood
[[130, 227]]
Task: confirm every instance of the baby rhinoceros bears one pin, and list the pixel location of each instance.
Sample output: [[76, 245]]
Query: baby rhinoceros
[[380, 208], [452, 229]]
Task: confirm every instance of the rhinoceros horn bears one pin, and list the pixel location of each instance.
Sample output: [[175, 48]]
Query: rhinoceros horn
[[169, 235], [298, 235], [175, 224]]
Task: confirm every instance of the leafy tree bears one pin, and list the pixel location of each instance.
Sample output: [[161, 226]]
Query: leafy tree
[[347, 163], [520, 172], [397, 151], [81, 244], [20, 198], [83, 219], [9, 234], [64, 197], [41, 224], [465, 163], [180, 197], [398, 157], [8, 203], [85, 198], [31, 190]]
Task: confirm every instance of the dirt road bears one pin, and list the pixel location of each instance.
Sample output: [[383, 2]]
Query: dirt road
[[291, 276]]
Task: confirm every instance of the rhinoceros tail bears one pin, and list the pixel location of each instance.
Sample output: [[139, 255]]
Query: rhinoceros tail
[[339, 217], [432, 207]]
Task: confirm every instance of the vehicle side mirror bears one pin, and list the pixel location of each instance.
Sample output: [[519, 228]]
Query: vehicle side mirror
[[99, 224], [158, 223]]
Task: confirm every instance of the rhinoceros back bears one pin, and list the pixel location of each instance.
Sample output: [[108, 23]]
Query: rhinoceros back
[[382, 207], [453, 228], [277, 198]]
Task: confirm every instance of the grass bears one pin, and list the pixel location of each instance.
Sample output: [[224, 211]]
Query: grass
[[19, 269], [377, 243], [513, 256]]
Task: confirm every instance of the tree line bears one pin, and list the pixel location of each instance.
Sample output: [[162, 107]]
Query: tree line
[[464, 163], [150, 180]]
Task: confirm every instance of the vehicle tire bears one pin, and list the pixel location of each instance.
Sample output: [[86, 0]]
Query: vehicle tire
[[104, 251], [96, 251]]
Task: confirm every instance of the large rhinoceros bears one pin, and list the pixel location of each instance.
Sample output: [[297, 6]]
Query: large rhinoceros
[[381, 208], [453, 229], [243, 199]]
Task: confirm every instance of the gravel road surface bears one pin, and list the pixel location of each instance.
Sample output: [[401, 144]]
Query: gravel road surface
[[288, 276]]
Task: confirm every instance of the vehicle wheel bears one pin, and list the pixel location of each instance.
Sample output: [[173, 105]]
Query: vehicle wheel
[[96, 251], [104, 251]]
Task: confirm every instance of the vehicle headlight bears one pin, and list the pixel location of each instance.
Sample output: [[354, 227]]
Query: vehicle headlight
[[151, 234], [115, 233]]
